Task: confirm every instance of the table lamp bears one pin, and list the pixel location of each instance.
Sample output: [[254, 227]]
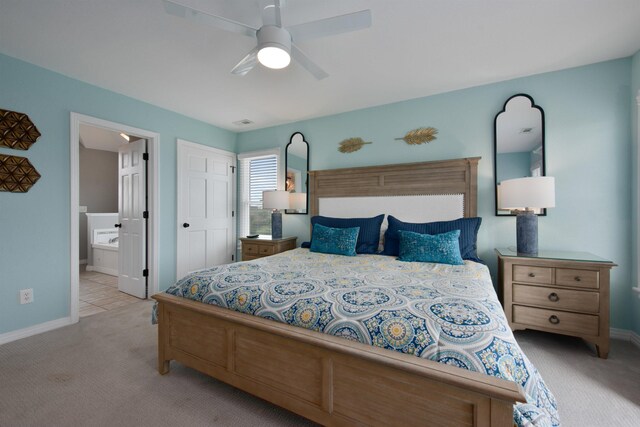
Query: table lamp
[[275, 200], [521, 196]]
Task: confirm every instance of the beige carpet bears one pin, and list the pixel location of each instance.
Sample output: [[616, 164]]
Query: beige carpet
[[102, 372]]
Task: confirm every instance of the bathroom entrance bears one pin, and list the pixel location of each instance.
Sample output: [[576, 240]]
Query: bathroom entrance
[[112, 219], [114, 227]]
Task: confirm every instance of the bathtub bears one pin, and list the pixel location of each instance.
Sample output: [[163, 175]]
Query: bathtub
[[104, 245]]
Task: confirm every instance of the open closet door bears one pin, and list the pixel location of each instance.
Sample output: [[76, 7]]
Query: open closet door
[[131, 209]]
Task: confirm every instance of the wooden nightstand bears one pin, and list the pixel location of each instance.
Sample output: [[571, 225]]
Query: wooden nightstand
[[265, 246], [562, 292]]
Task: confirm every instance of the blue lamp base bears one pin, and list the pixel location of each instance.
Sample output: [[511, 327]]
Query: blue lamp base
[[527, 233], [276, 224]]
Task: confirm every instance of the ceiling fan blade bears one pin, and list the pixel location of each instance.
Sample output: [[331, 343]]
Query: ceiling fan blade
[[331, 26], [308, 64], [247, 63], [183, 11]]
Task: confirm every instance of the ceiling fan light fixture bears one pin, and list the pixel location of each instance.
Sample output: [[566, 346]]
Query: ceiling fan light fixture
[[274, 57], [275, 47]]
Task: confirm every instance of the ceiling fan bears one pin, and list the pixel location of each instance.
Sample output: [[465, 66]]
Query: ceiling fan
[[276, 44]]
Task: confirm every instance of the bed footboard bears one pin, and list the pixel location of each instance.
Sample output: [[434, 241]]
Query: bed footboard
[[327, 379]]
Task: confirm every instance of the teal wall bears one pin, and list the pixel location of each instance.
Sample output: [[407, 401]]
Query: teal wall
[[635, 135], [34, 227], [588, 150]]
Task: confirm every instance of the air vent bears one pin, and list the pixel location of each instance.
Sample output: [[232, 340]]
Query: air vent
[[243, 122]]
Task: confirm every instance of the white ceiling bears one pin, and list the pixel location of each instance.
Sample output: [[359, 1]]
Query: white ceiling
[[414, 48], [100, 139]]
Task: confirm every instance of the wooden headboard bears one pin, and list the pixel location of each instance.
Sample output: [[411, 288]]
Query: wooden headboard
[[457, 176]]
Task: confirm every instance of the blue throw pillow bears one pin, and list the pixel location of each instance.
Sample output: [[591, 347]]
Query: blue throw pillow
[[440, 248], [468, 234], [369, 236], [338, 241]]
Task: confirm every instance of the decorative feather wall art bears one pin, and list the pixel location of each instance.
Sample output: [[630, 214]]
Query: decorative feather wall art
[[350, 145], [419, 136], [17, 131], [17, 174]]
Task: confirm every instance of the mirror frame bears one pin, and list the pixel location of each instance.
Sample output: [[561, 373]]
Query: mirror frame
[[306, 178], [495, 151]]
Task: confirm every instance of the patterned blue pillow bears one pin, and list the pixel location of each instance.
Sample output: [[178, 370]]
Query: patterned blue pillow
[[439, 248], [468, 234], [369, 236], [338, 241]]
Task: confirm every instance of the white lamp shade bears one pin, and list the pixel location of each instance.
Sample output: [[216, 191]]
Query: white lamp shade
[[275, 199], [298, 201], [531, 192]]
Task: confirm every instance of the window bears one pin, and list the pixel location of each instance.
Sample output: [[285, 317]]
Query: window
[[258, 172]]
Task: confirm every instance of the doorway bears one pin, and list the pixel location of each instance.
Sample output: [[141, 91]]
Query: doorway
[[137, 197]]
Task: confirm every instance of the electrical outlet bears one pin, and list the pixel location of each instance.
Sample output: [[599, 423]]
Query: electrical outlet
[[26, 296]]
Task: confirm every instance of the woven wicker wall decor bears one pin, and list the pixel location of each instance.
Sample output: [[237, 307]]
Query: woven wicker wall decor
[[419, 136], [17, 130], [17, 174], [350, 145]]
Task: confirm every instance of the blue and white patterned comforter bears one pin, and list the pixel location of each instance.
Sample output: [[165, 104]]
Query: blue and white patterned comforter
[[446, 313]]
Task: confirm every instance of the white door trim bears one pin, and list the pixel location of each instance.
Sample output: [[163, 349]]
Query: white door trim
[[153, 148], [188, 144]]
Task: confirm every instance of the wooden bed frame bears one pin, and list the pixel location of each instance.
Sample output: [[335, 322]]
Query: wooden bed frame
[[328, 379]]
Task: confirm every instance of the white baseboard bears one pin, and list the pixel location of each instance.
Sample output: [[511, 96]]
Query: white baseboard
[[82, 261], [105, 270], [625, 335], [34, 330]]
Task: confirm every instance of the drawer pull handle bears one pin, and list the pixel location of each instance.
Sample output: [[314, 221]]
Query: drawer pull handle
[[554, 320], [577, 278], [553, 297], [532, 275]]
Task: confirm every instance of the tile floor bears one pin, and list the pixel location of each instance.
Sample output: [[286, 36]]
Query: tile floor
[[99, 292]]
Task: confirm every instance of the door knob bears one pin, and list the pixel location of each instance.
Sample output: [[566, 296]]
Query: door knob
[[117, 225], [186, 225]]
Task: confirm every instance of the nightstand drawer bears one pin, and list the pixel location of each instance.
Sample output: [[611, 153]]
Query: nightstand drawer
[[267, 250], [530, 274], [250, 248], [585, 324], [262, 247], [577, 278], [557, 298]]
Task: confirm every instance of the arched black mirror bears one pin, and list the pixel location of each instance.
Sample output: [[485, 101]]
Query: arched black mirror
[[518, 143], [296, 179]]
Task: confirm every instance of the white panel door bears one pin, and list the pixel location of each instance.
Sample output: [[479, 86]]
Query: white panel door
[[206, 222], [131, 207]]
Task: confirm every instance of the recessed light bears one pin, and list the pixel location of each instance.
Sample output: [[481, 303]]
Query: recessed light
[[243, 122], [526, 130], [125, 136]]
